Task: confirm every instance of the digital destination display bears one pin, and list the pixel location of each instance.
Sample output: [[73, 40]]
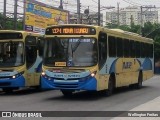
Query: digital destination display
[[9, 35], [68, 30]]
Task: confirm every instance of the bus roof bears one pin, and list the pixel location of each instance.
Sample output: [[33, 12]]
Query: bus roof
[[135, 35], [21, 31], [120, 32], [74, 25]]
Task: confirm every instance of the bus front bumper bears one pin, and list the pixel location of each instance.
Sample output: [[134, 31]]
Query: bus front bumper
[[12, 82], [85, 84]]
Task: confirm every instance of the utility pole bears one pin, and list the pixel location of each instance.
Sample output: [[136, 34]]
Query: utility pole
[[78, 11], [4, 14], [99, 17], [61, 4], [141, 22], [118, 12], [24, 14], [147, 7], [141, 17], [15, 14]]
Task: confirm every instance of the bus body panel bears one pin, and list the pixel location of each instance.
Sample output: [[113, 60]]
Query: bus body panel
[[10, 82], [24, 77], [126, 70], [88, 84], [70, 81]]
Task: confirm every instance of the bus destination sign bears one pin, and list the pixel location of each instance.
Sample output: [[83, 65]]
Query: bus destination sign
[[70, 30]]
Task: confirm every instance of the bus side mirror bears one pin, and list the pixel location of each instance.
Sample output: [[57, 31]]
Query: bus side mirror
[[40, 45]]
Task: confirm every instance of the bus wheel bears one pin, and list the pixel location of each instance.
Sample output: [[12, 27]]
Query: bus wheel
[[140, 79], [67, 93], [110, 87], [7, 90]]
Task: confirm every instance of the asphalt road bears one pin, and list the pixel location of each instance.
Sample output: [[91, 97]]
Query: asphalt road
[[124, 99]]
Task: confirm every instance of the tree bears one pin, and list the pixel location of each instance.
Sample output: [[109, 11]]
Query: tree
[[10, 23]]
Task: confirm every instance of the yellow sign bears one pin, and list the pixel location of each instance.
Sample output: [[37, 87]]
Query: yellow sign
[[38, 16], [60, 63]]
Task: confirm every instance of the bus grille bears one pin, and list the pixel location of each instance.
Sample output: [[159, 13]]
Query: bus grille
[[70, 84]]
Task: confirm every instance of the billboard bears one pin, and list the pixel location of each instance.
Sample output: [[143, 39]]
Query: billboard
[[38, 16]]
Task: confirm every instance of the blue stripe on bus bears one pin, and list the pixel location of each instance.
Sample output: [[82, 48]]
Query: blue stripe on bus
[[85, 84], [17, 82], [39, 68], [112, 68], [147, 64]]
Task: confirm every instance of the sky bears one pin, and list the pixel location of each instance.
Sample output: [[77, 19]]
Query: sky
[[71, 5]]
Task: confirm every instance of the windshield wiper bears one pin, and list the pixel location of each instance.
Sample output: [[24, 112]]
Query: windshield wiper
[[76, 46]]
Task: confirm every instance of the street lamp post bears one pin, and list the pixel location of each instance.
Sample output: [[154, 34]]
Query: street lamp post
[[99, 13]]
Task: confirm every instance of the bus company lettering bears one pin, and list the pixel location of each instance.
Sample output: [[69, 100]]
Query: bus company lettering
[[74, 76], [58, 76], [68, 76], [127, 65]]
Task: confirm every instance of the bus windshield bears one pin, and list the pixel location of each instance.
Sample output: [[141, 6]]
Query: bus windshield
[[70, 52], [11, 54]]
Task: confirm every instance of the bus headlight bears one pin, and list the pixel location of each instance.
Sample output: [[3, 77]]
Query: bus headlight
[[43, 73], [17, 75], [13, 76], [45, 76], [93, 74]]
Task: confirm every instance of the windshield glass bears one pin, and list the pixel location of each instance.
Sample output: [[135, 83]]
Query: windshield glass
[[70, 52], [11, 54]]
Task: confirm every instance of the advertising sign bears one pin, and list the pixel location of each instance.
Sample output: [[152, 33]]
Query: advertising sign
[[38, 16]]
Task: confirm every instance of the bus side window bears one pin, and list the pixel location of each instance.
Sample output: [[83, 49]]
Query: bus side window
[[102, 48], [112, 41], [126, 50], [138, 49], [31, 50], [120, 47]]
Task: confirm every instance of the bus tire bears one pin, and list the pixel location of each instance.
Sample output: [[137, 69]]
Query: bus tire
[[110, 86], [67, 93], [140, 80]]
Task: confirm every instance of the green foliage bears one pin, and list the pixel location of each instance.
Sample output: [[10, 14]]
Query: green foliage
[[9, 23]]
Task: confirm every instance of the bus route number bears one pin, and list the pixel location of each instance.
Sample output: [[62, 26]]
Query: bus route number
[[57, 30]]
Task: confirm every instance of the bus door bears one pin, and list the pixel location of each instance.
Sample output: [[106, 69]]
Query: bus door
[[33, 61]]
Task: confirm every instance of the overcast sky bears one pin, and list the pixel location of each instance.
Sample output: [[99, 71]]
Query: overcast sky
[[71, 5], [93, 3]]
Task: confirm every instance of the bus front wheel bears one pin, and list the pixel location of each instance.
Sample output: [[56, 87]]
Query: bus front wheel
[[110, 87]]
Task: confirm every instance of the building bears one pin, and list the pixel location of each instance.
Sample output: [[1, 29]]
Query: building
[[132, 14], [91, 19]]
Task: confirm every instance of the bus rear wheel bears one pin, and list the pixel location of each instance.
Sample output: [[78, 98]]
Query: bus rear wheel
[[140, 79], [67, 93]]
